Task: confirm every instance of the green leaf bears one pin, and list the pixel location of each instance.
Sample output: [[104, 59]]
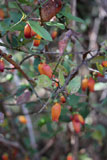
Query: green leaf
[[97, 135], [59, 25], [40, 30], [44, 81], [15, 16], [71, 17], [74, 85], [4, 25], [83, 109], [18, 27], [73, 100], [84, 157], [99, 67], [97, 59], [64, 117], [36, 62], [61, 78], [101, 129], [24, 1], [13, 5]]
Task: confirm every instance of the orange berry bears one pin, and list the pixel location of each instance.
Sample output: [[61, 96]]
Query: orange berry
[[45, 69], [1, 14], [62, 99], [22, 119], [5, 156], [36, 42], [54, 34], [56, 111], [40, 68], [77, 126], [84, 84], [69, 157], [2, 65], [91, 83], [104, 63], [78, 118], [27, 31]]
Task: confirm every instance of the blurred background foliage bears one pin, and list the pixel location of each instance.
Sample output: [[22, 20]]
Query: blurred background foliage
[[39, 138]]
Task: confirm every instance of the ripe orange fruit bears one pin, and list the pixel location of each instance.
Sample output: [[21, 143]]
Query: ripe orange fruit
[[2, 65], [56, 111], [69, 157], [77, 126], [5, 156], [79, 118], [104, 63], [1, 14], [84, 84], [36, 42], [54, 34], [45, 69], [40, 68], [22, 119], [62, 99], [91, 83], [27, 31]]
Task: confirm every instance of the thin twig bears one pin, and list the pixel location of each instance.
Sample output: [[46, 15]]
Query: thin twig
[[7, 58]]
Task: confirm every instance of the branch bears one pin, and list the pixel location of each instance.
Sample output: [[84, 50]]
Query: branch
[[7, 58]]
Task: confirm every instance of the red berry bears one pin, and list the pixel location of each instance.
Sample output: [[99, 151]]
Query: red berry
[[99, 75], [91, 83], [77, 126], [45, 69], [2, 65], [54, 34], [79, 118], [27, 31], [33, 33], [62, 99]]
